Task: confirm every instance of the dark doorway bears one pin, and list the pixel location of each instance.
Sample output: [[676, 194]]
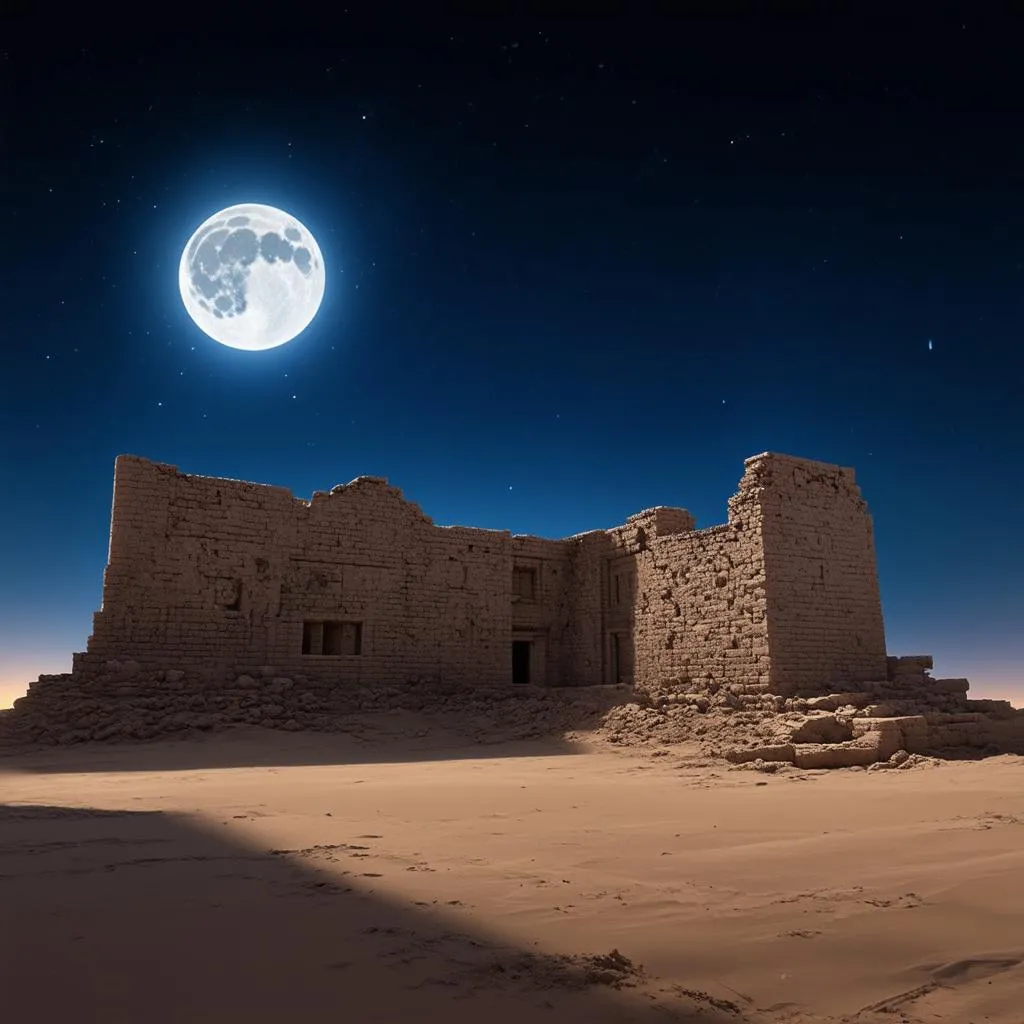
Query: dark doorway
[[521, 662], [616, 656]]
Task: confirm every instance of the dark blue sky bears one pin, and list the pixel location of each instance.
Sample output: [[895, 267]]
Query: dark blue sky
[[576, 267]]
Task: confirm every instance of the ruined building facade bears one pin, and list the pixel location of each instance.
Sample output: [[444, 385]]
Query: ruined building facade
[[357, 586]]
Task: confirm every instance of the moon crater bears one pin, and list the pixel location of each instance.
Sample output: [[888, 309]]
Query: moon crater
[[252, 277]]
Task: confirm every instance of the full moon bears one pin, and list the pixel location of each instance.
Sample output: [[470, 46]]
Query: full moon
[[252, 277]]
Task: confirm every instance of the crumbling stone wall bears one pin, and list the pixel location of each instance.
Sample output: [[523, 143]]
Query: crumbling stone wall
[[229, 603], [701, 612], [359, 586], [207, 572], [681, 607]]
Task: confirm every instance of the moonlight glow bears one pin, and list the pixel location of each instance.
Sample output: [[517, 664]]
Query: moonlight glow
[[252, 277]]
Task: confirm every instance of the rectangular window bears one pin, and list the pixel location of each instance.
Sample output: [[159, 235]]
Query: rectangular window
[[524, 583], [332, 638]]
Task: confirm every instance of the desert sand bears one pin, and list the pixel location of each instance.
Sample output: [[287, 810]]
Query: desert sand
[[260, 876]]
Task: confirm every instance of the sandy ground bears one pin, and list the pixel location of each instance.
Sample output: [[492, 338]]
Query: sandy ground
[[266, 877]]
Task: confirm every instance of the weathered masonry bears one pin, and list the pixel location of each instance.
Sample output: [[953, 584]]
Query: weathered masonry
[[359, 587]]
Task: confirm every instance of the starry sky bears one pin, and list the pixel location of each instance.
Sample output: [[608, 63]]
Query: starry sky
[[576, 267]]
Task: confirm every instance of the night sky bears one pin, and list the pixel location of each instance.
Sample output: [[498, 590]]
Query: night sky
[[575, 268]]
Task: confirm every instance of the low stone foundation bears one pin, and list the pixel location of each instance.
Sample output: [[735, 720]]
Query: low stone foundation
[[123, 702], [862, 725]]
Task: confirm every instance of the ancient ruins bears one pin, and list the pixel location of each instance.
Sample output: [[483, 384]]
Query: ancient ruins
[[232, 602]]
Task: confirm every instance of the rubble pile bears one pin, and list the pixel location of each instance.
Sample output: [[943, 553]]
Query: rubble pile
[[864, 724], [122, 702]]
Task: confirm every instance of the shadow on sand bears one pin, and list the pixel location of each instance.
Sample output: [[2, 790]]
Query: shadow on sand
[[255, 747], [113, 916]]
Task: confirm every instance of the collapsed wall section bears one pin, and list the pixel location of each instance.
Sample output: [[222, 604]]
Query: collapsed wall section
[[659, 605], [699, 606]]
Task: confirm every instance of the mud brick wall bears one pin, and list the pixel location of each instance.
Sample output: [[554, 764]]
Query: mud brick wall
[[582, 652], [206, 572], [782, 598], [542, 608], [658, 604], [823, 605], [359, 586], [227, 602]]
